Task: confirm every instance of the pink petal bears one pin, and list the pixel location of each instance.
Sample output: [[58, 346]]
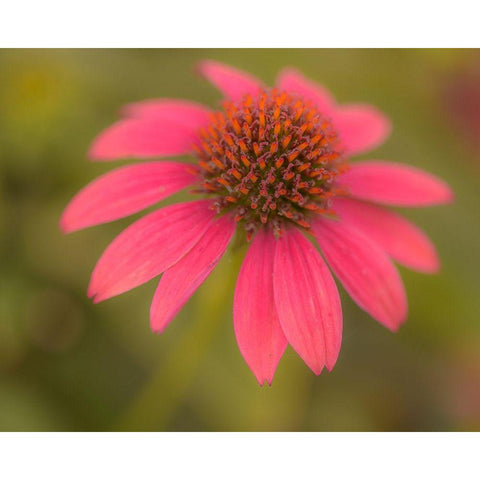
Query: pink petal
[[233, 83], [293, 81], [143, 137], [401, 239], [307, 300], [148, 247], [395, 184], [361, 127], [124, 191], [181, 280], [258, 331], [182, 112], [365, 271]]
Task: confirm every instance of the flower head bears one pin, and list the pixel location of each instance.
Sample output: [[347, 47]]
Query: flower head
[[276, 164], [270, 159]]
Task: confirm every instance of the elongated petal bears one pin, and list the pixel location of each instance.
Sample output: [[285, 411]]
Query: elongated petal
[[182, 112], [181, 280], [365, 271], [307, 301], [233, 83], [257, 329], [143, 138], [124, 191], [401, 239], [148, 247], [361, 127], [291, 80], [395, 184]]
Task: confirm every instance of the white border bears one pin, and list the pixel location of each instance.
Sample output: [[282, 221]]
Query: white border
[[239, 456], [242, 23]]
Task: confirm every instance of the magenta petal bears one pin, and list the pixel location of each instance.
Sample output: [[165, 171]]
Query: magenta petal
[[142, 138], [307, 301], [291, 80], [124, 191], [181, 280], [233, 83], [361, 127], [148, 247], [401, 239], [182, 112], [394, 184], [365, 271], [257, 329]]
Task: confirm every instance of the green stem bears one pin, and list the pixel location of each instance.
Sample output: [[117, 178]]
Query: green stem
[[154, 405]]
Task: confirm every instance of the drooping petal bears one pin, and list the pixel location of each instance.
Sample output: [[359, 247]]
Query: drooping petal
[[182, 112], [124, 191], [365, 271], [291, 80], [307, 301], [143, 138], [257, 329], [394, 184], [361, 127], [401, 239], [233, 83], [148, 247], [181, 280]]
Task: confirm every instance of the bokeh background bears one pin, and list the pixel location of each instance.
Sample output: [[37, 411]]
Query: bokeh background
[[66, 364]]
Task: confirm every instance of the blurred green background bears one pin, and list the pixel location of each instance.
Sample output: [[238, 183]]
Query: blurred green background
[[66, 364]]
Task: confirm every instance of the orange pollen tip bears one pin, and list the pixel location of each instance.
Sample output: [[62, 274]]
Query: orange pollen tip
[[206, 147], [303, 167], [286, 141], [243, 146], [210, 187], [236, 127], [206, 166], [236, 173], [261, 119], [303, 223], [223, 182], [218, 163], [303, 146], [292, 156], [298, 114], [213, 132]]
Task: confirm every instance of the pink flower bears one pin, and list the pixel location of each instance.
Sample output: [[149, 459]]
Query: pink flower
[[273, 162]]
